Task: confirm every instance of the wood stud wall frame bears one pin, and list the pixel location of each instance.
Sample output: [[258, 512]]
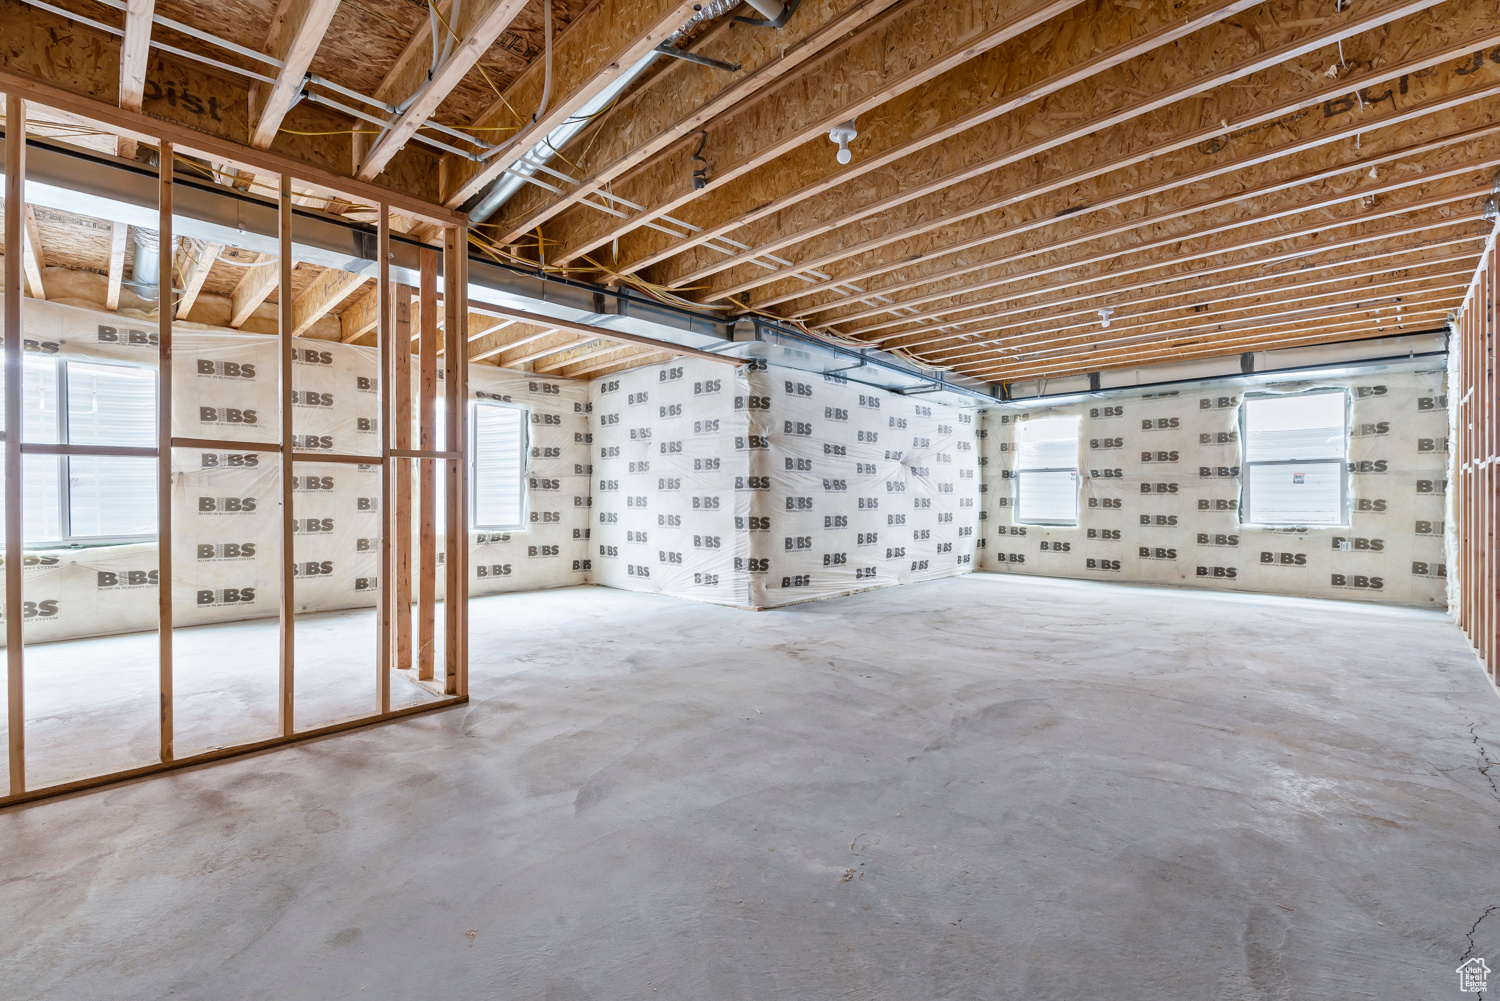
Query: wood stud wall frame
[[395, 350]]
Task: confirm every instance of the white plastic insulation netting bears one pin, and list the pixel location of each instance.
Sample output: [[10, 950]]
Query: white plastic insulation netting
[[1162, 476], [226, 503]]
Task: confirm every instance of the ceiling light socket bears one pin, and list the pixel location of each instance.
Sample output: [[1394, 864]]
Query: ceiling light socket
[[843, 135], [1105, 314]]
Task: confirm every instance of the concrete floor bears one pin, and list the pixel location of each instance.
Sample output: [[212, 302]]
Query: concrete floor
[[987, 787]]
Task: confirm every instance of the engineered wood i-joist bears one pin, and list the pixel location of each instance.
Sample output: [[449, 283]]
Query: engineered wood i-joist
[[590, 55], [1097, 40], [327, 291], [683, 98], [1458, 197], [478, 24], [1144, 116], [119, 234], [296, 31], [1010, 201], [1324, 201], [1190, 309], [198, 261], [913, 44], [1381, 252]]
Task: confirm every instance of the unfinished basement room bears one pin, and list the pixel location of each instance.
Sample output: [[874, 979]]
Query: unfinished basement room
[[823, 500]]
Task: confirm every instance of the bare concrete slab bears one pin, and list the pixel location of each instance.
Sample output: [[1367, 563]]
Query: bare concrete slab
[[987, 787]]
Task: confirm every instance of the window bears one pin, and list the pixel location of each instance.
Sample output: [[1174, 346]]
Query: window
[[498, 474], [87, 495], [1295, 454], [1047, 471]]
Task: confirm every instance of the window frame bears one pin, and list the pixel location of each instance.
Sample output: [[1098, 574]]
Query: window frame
[[1076, 469], [524, 475], [1245, 463], [66, 451]]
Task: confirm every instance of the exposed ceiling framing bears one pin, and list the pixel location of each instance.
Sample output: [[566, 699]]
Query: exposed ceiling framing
[[1037, 188]]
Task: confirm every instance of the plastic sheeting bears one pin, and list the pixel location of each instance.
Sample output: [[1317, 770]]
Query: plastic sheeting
[[764, 486], [226, 503], [1161, 493]]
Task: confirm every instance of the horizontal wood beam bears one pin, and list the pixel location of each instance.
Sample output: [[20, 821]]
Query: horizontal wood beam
[[922, 233], [1391, 291], [199, 261], [1260, 41], [326, 292], [556, 340], [297, 29], [607, 40], [480, 22], [254, 287], [589, 330], [682, 98], [1415, 245], [33, 256], [621, 359], [135, 52], [119, 234], [512, 338], [360, 318], [1191, 306], [1458, 198], [1322, 199], [1297, 335], [895, 54], [167, 123]]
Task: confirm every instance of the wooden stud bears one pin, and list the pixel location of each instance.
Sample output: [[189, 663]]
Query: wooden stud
[[15, 221], [480, 22], [287, 608], [401, 420], [165, 620], [389, 467], [119, 234], [456, 371], [427, 468], [296, 31]]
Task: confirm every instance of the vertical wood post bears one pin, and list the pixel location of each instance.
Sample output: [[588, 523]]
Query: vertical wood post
[[15, 224], [401, 419], [383, 326], [427, 485], [284, 327], [166, 308], [455, 360]]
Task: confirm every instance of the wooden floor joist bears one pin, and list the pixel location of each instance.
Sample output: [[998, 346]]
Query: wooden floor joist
[[929, 230], [1219, 56], [916, 43]]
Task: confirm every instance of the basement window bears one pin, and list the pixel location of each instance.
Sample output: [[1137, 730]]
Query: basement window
[[497, 475], [1295, 459], [86, 492], [1047, 471]]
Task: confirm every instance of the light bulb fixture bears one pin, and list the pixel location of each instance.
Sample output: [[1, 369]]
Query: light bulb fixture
[[1104, 315], [843, 135]]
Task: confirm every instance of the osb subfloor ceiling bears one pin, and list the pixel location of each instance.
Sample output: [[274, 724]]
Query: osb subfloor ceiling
[[1034, 188]]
